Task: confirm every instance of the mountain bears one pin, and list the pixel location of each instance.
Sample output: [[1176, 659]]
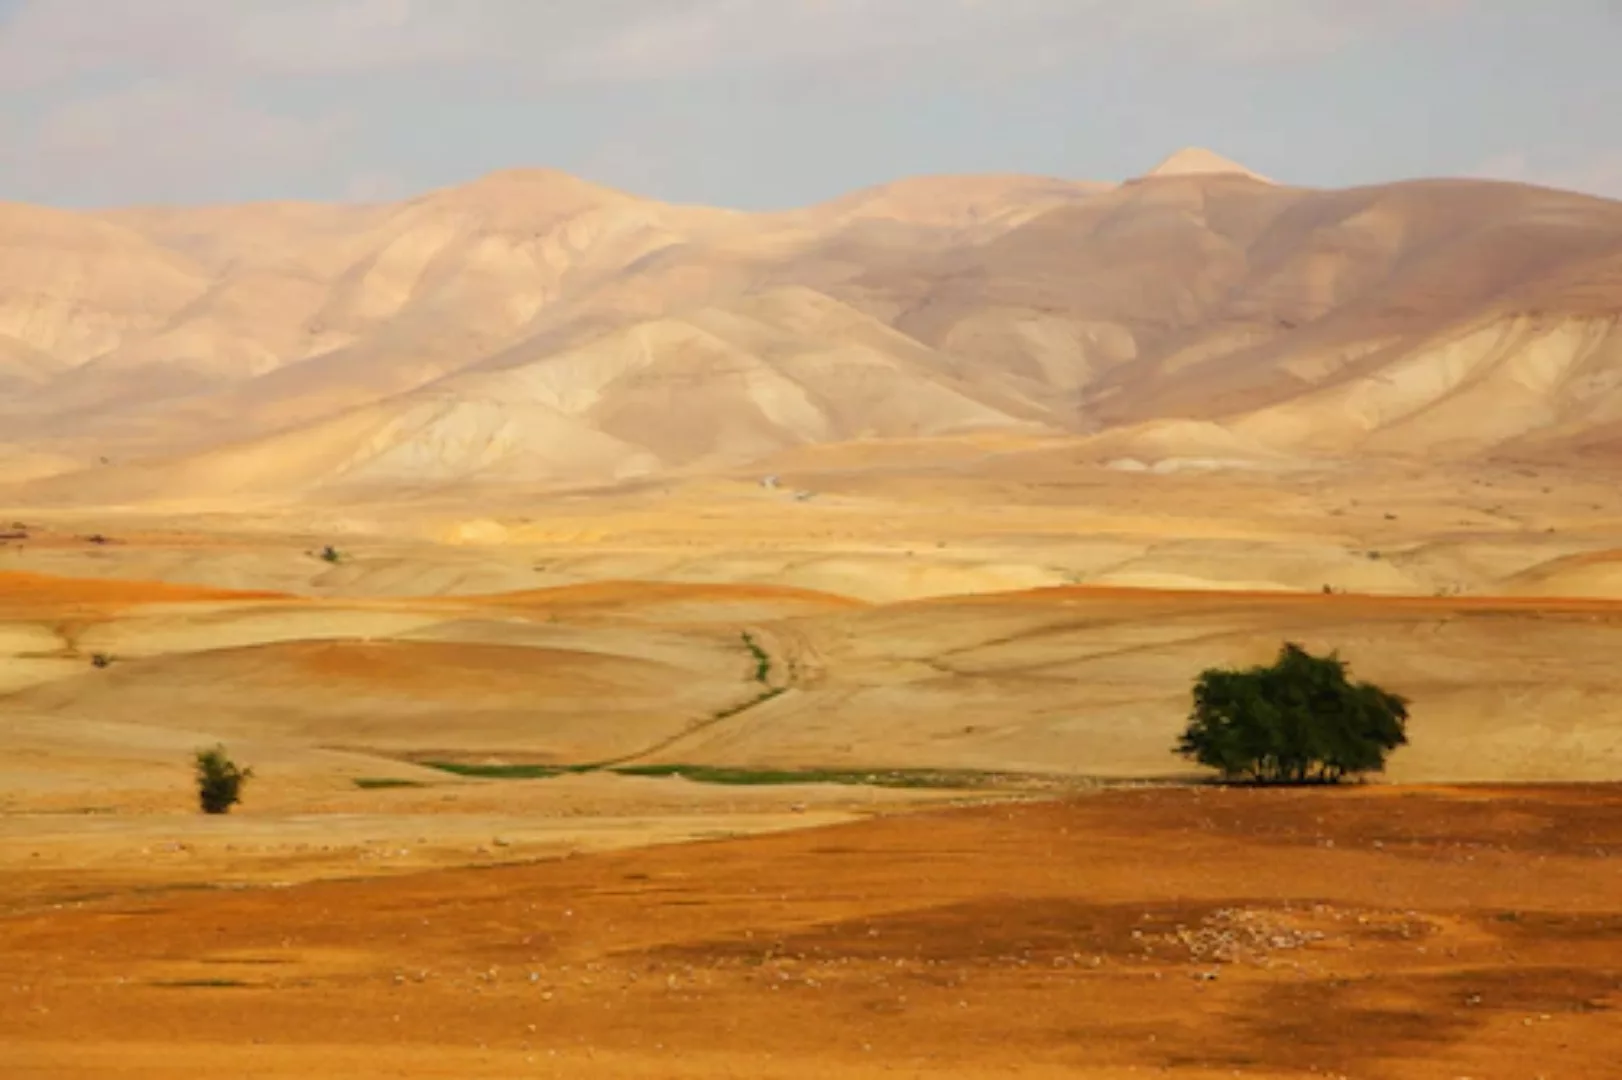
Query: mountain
[[1198, 161], [531, 328], [957, 201]]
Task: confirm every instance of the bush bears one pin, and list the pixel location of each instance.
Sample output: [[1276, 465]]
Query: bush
[[1299, 721], [219, 781]]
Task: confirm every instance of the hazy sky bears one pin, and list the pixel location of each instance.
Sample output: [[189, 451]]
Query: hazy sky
[[768, 103]]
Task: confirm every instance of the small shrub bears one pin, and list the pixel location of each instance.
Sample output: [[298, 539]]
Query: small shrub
[[101, 660], [332, 555], [219, 781]]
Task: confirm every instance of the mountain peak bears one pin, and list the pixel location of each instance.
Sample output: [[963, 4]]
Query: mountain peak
[[540, 183], [1198, 161]]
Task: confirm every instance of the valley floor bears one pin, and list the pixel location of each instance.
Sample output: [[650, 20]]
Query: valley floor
[[713, 780], [1411, 934]]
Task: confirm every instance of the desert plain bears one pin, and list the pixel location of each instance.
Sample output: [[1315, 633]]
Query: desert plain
[[672, 642]]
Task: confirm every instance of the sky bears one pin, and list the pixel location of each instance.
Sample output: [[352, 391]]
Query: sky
[[765, 104]]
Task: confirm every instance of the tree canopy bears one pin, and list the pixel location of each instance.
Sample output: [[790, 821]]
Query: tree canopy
[[1300, 720]]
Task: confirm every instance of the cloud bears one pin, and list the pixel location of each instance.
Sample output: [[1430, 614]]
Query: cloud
[[50, 42], [875, 39], [157, 140], [1294, 30], [53, 41], [157, 98]]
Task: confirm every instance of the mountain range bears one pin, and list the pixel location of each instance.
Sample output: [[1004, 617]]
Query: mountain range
[[531, 328]]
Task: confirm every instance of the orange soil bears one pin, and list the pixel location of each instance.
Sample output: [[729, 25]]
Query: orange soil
[[1385, 933], [24, 592], [28, 593], [449, 669]]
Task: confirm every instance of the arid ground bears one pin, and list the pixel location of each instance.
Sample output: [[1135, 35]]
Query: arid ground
[[764, 830], [1421, 933]]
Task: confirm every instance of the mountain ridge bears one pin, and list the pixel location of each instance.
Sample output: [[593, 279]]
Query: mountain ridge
[[1446, 317]]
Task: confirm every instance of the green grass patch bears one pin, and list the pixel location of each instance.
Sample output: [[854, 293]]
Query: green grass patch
[[944, 779], [507, 772], [888, 778], [385, 783], [727, 714], [763, 659]]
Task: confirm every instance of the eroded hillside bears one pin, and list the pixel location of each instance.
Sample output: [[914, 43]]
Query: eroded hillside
[[530, 328]]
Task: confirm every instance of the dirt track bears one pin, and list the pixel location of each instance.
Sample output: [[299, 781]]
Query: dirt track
[[1372, 933]]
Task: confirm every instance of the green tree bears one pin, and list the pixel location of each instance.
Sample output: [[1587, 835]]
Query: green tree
[[1300, 720], [219, 781]]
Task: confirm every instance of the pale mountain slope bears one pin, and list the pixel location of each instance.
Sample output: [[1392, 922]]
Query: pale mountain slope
[[246, 324], [318, 239], [724, 386], [415, 291], [1343, 283], [955, 202], [265, 270], [1509, 377], [1211, 297], [530, 326], [74, 287], [22, 365], [405, 445], [1198, 161], [769, 371]]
